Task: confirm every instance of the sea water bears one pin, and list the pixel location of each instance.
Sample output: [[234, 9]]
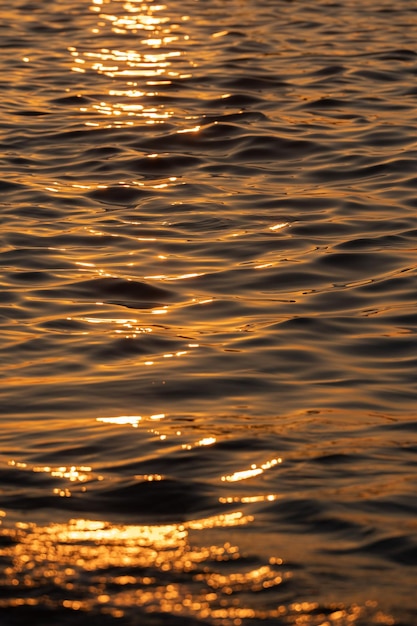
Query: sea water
[[208, 312]]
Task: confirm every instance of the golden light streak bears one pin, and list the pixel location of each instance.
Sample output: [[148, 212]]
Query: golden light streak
[[73, 473], [207, 441], [195, 129], [173, 278], [279, 226], [263, 266], [152, 62], [132, 420], [247, 499], [150, 477], [17, 464], [157, 569], [252, 472]]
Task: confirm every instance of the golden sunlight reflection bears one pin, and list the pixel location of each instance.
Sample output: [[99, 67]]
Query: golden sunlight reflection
[[149, 477], [130, 328], [207, 441], [58, 553], [131, 420], [134, 329], [162, 311], [153, 425], [247, 499], [194, 129], [151, 63], [177, 569], [65, 188], [254, 470], [177, 277], [280, 226], [73, 474]]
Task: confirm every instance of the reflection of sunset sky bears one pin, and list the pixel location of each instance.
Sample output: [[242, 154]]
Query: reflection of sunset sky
[[208, 309], [134, 74], [117, 569], [153, 567]]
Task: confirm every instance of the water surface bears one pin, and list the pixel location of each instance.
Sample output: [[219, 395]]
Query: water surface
[[208, 313]]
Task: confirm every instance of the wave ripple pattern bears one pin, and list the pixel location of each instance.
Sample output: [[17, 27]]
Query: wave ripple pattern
[[208, 313]]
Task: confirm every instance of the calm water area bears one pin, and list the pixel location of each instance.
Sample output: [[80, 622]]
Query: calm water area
[[208, 313]]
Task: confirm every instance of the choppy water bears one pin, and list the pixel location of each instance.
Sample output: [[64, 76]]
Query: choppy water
[[208, 312]]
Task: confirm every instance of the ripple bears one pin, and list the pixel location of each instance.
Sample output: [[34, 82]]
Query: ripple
[[207, 319]]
